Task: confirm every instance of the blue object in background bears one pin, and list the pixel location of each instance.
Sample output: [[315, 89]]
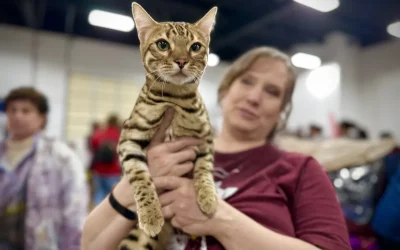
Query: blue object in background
[[386, 221], [1, 106]]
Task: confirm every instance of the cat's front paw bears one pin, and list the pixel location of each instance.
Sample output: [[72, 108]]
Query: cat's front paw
[[151, 220], [207, 200]]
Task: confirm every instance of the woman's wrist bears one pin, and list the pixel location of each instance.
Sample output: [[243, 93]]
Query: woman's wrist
[[123, 195], [222, 220]]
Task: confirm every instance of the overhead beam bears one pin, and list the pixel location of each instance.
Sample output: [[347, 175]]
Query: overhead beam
[[254, 26], [41, 13], [28, 13], [70, 19], [179, 6], [33, 12], [288, 34]]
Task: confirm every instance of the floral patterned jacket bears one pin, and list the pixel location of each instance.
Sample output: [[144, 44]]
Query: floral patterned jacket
[[57, 197]]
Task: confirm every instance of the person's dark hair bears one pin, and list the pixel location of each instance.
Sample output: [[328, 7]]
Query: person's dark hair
[[347, 124], [113, 120], [95, 125], [30, 94], [316, 127], [363, 134], [386, 135]]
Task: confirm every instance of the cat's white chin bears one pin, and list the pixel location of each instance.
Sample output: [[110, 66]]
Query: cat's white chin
[[180, 79]]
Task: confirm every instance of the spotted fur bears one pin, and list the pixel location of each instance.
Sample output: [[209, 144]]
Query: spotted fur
[[172, 78]]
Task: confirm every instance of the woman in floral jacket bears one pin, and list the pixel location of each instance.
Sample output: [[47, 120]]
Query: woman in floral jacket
[[43, 198]]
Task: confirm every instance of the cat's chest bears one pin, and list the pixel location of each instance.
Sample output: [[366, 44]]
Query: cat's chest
[[185, 124]]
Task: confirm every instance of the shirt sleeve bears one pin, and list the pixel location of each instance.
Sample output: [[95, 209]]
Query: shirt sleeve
[[317, 216], [75, 198]]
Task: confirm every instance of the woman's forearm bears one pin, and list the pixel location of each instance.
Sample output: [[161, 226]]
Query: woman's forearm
[[104, 228], [236, 231]]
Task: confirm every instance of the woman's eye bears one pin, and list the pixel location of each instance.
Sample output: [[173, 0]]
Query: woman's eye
[[272, 91], [246, 81], [163, 45], [195, 47]]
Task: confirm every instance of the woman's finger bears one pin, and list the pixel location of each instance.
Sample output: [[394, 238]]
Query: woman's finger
[[175, 223], [168, 182], [167, 198], [168, 212], [181, 143], [184, 155], [181, 169]]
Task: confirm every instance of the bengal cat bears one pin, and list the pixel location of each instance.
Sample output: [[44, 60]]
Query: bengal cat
[[174, 56]]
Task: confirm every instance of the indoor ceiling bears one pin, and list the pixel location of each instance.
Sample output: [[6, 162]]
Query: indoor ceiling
[[241, 24]]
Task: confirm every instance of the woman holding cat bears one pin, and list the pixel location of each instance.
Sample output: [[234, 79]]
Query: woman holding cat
[[269, 199]]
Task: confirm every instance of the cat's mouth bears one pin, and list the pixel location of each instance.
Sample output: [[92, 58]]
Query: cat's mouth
[[181, 77], [180, 73]]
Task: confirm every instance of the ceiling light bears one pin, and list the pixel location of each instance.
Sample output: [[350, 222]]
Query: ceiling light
[[320, 5], [323, 81], [213, 60], [306, 61], [394, 29], [111, 20]]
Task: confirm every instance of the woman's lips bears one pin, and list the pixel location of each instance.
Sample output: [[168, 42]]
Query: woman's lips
[[247, 114]]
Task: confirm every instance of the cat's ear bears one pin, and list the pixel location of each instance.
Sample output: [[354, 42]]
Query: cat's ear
[[143, 21], [206, 23]]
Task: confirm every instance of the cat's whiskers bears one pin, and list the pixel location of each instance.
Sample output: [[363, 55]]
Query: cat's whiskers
[[201, 73], [151, 73], [162, 88], [154, 81], [198, 76]]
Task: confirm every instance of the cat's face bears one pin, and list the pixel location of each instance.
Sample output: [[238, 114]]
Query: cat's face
[[174, 52]]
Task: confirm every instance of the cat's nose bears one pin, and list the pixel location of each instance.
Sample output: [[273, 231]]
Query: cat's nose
[[181, 63]]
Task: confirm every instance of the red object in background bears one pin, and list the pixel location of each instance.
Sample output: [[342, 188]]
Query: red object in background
[[110, 133], [334, 125]]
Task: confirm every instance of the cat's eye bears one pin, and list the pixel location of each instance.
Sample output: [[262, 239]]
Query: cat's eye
[[163, 45], [195, 47]]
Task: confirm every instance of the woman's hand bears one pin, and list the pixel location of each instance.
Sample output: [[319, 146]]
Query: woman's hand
[[170, 158], [180, 205], [164, 158]]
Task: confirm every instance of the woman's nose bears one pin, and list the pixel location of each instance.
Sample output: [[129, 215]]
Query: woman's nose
[[254, 95]]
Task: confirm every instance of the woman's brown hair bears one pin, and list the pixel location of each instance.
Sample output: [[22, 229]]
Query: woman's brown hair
[[244, 62]]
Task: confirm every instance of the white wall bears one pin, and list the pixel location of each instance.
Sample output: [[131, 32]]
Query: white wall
[[370, 83], [380, 95], [309, 108], [16, 58], [58, 55], [21, 65], [51, 79]]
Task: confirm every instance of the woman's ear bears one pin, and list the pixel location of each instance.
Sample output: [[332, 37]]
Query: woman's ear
[[44, 121]]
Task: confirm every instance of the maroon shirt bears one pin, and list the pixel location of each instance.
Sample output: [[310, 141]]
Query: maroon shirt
[[288, 193]]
